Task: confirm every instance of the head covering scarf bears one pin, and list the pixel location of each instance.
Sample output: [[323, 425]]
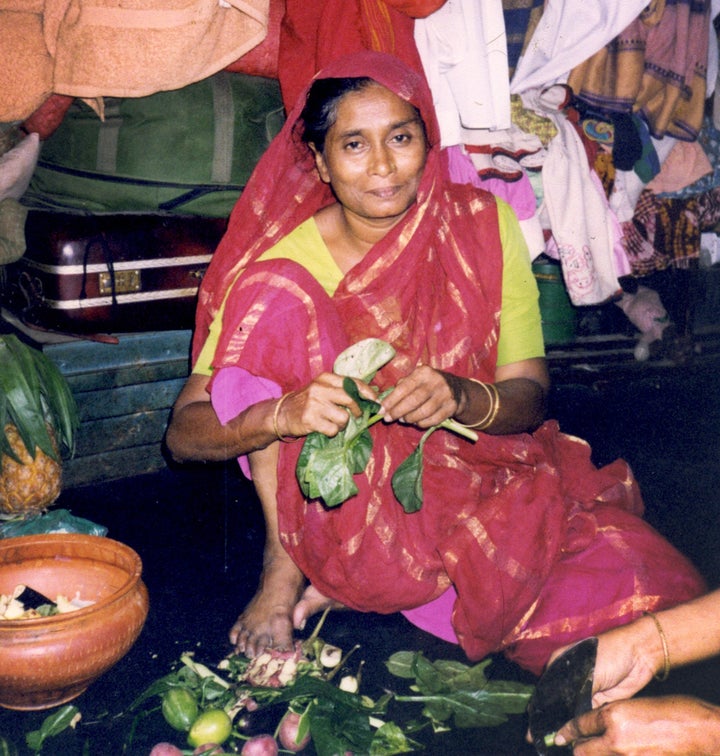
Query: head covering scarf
[[285, 188], [506, 522]]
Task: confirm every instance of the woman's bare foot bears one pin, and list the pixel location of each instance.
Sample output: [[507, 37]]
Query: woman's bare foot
[[312, 602], [267, 621]]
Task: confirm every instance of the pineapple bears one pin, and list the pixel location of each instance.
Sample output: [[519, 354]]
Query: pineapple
[[29, 485], [38, 416]]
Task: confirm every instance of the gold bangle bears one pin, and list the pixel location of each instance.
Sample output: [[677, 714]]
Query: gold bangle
[[662, 676], [493, 408], [278, 404], [496, 407]]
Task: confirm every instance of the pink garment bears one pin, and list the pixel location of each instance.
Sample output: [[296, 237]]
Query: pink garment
[[518, 194], [686, 164], [582, 539], [235, 389]]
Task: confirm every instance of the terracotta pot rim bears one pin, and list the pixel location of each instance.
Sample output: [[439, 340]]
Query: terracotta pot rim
[[61, 620]]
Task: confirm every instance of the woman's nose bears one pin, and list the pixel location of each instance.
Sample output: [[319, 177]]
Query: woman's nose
[[382, 162]]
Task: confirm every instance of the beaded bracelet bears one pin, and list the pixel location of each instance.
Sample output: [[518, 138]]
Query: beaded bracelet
[[493, 409], [661, 676], [278, 404]]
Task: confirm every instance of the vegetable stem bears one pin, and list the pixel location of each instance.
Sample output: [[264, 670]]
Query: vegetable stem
[[459, 428], [202, 671]]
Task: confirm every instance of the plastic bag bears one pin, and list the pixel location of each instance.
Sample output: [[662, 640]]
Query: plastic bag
[[57, 521]]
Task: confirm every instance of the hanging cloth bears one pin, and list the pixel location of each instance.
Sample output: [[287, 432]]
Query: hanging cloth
[[464, 55], [583, 226], [567, 34], [657, 66], [313, 34]]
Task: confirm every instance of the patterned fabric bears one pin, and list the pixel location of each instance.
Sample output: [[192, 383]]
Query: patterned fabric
[[531, 122], [521, 17], [657, 66], [709, 140], [529, 544], [665, 232]]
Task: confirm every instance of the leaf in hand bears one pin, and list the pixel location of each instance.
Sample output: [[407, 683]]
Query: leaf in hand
[[326, 466], [407, 479], [305, 469], [368, 406], [358, 451], [363, 359], [333, 477]]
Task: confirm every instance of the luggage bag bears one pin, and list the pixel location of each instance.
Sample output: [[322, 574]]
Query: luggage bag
[[110, 273], [188, 151]]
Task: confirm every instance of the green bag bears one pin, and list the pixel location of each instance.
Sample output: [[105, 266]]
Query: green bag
[[187, 151]]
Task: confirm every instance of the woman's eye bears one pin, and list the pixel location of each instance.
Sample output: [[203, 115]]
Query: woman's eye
[[353, 146], [401, 138]]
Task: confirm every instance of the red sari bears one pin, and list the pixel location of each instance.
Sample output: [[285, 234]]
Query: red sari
[[534, 546]]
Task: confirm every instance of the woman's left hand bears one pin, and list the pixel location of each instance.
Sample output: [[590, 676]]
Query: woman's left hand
[[422, 398], [679, 725]]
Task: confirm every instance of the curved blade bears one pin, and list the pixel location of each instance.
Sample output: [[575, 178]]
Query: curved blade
[[564, 691]]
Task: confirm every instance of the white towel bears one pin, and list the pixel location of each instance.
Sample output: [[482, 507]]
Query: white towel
[[463, 49], [583, 226]]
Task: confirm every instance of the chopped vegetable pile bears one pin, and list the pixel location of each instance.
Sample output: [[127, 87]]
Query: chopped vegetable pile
[[312, 696], [25, 603]]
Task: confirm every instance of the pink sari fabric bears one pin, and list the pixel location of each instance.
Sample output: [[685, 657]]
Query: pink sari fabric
[[509, 523], [540, 547]]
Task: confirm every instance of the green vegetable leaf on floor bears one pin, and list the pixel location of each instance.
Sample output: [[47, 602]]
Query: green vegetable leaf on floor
[[452, 691], [52, 725]]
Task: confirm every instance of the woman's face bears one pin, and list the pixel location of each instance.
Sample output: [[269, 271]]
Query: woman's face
[[374, 154]]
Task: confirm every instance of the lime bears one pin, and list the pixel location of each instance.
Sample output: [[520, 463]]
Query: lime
[[212, 726]]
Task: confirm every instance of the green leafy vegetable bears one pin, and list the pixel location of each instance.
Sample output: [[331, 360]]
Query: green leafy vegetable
[[407, 479], [454, 691], [54, 724], [326, 466], [363, 359], [447, 693]]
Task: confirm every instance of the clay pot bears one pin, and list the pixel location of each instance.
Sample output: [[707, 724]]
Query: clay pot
[[48, 661]]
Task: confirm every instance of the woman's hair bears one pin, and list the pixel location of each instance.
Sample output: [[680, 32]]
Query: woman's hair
[[321, 105]]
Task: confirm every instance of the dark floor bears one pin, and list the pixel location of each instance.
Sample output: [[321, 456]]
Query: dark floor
[[199, 533]]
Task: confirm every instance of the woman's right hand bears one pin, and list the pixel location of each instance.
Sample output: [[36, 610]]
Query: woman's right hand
[[320, 406]]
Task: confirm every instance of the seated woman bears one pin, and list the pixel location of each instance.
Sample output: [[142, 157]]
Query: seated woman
[[350, 228]]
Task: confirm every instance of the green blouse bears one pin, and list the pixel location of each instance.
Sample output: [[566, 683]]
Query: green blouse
[[520, 327]]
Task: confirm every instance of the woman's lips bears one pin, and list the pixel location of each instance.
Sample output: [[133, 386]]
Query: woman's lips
[[387, 192]]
